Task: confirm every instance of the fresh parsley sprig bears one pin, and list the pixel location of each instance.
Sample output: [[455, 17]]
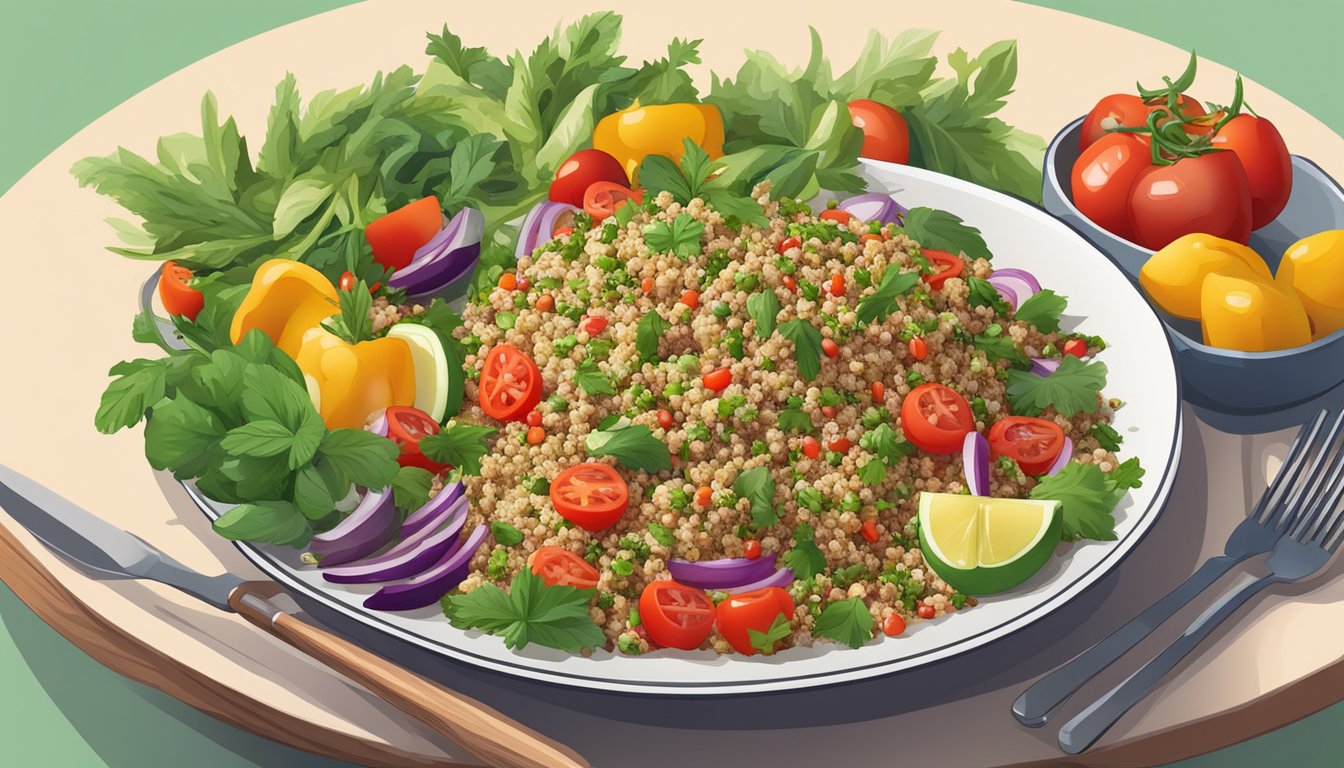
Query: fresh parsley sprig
[[1071, 389], [633, 446], [458, 444], [529, 612]]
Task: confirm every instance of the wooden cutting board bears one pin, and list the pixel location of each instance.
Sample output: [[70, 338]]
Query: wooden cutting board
[[1265, 668]]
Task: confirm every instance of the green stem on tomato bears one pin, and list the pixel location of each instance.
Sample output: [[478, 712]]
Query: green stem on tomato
[[1179, 86]]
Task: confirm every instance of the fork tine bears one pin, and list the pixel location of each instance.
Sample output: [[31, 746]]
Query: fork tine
[[1323, 527], [1315, 514], [1286, 478], [1306, 488]]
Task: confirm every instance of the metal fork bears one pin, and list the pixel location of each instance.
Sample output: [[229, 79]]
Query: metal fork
[[1314, 538], [1256, 535]]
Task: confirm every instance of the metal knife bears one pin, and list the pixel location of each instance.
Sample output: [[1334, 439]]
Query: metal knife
[[98, 547]]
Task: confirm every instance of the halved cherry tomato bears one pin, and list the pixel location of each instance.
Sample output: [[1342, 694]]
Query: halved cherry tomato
[[948, 266], [1033, 443], [1264, 157], [925, 611], [787, 243], [810, 447], [894, 625], [1128, 110], [559, 567], [756, 610], [919, 349], [595, 324], [717, 380], [751, 549], [347, 281], [836, 215], [936, 418], [1075, 347], [592, 496], [580, 171], [510, 384], [406, 426], [831, 349], [604, 197], [1208, 194], [676, 616], [396, 236], [886, 136], [1103, 176], [177, 296]]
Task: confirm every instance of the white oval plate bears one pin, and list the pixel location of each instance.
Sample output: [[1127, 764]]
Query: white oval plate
[[1142, 373]]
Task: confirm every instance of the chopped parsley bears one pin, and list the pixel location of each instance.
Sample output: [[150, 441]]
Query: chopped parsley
[[875, 306], [984, 294], [680, 237], [807, 346], [805, 558], [661, 534], [633, 447], [944, 231], [1087, 497], [1107, 436], [530, 612], [592, 380], [505, 533], [764, 642], [763, 308], [648, 331], [845, 621]]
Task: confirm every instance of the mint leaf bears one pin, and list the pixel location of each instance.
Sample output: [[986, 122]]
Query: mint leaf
[[1071, 389], [806, 346], [1042, 310], [845, 621], [763, 307], [461, 445], [758, 486], [634, 447], [592, 380]]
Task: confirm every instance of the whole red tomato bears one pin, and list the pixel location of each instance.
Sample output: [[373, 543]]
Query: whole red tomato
[[1263, 155], [580, 171], [1207, 194], [885, 133], [1103, 176], [1126, 109]]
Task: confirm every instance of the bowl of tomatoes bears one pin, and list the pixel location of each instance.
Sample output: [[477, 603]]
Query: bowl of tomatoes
[[1143, 170]]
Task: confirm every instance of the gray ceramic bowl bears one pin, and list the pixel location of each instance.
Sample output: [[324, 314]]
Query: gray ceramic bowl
[[1221, 379]]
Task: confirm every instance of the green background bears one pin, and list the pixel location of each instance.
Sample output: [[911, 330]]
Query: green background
[[65, 62]]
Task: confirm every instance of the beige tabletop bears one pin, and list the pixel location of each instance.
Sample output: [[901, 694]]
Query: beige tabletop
[[1265, 668]]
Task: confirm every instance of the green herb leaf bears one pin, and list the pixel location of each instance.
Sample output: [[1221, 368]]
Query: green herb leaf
[[661, 534], [984, 294], [275, 522], [681, 237], [806, 345], [410, 488], [1107, 436], [764, 642], [592, 380], [943, 231], [180, 435], [361, 456], [998, 348], [845, 621], [881, 301], [461, 445], [530, 612], [634, 447], [648, 331], [505, 534], [873, 472], [805, 557], [758, 486], [1071, 389], [1042, 310], [793, 420], [763, 307]]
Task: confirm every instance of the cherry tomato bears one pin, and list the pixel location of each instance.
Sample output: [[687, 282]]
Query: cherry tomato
[[878, 391], [751, 549], [1129, 110], [646, 285], [691, 298], [535, 435], [665, 419], [347, 281], [885, 133], [703, 495], [836, 215], [924, 611], [1103, 176], [831, 349], [811, 448], [604, 197], [592, 495], [837, 285], [522, 284], [829, 411], [756, 610], [1076, 347], [534, 418], [1264, 157], [894, 625], [936, 418], [717, 380], [177, 296], [790, 283], [789, 242], [396, 236], [948, 266], [919, 349], [580, 171], [406, 426], [869, 530], [559, 567], [507, 281], [545, 302], [840, 445], [510, 384], [595, 325], [1208, 194], [676, 616], [1033, 443]]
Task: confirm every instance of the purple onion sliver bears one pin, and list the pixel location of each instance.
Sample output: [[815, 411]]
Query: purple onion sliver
[[407, 559], [1044, 366], [426, 514], [379, 425], [1009, 295], [428, 587], [1064, 457], [1023, 275], [1020, 288], [781, 578], [722, 573], [451, 519], [450, 260], [975, 463], [874, 206], [363, 532], [539, 226], [435, 243]]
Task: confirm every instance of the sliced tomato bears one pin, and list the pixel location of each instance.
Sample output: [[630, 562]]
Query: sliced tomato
[[936, 418], [602, 198], [1033, 443], [592, 496], [510, 384], [406, 426], [947, 265], [755, 610], [676, 616], [176, 293], [579, 172], [396, 236], [558, 566]]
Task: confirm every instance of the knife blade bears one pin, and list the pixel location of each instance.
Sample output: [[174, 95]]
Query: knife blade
[[95, 545]]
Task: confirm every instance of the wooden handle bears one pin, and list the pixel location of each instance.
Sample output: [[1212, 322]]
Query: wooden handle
[[490, 735]]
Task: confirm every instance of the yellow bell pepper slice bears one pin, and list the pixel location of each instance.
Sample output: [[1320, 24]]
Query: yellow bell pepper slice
[[634, 133], [1313, 267], [1251, 315], [1173, 276], [287, 298]]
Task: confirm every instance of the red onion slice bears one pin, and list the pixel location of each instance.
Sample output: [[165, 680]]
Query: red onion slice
[[540, 225], [432, 510], [1005, 290], [379, 425], [720, 574], [450, 255], [1044, 366], [1019, 287], [408, 558], [428, 587], [781, 578], [364, 532], [1020, 274], [1064, 457], [874, 206], [975, 463]]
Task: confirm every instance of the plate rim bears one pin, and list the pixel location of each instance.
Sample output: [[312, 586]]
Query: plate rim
[[1119, 550]]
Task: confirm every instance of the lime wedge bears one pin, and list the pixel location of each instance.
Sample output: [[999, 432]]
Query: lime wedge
[[982, 545]]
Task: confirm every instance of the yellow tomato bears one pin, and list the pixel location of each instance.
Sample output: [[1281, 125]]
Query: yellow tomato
[[1173, 276], [632, 134], [1250, 315], [1314, 268]]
